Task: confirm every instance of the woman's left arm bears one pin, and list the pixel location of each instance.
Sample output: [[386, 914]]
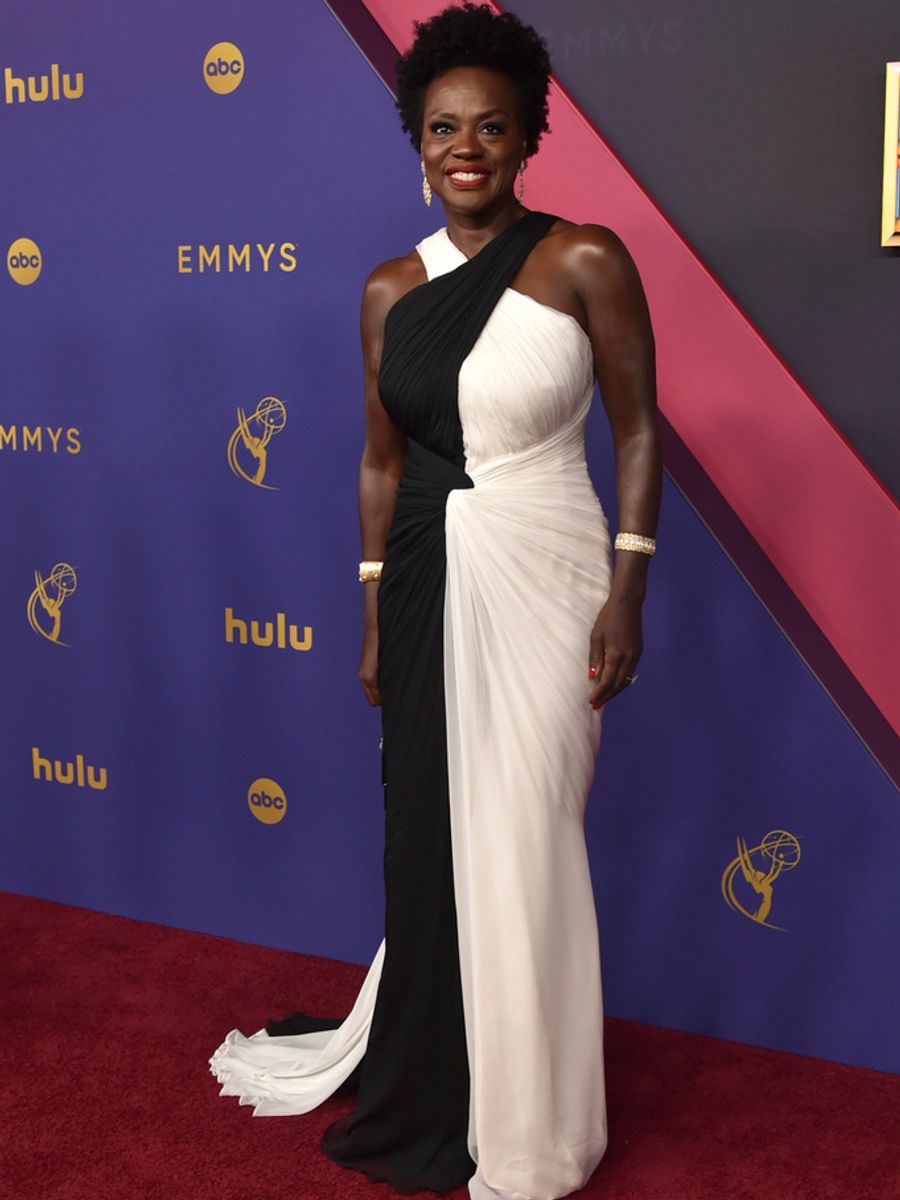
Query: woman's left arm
[[621, 334]]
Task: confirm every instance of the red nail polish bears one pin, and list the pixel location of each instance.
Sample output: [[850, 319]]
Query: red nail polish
[[592, 671]]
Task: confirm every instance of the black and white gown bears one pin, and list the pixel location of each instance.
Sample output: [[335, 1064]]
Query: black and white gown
[[477, 1035]]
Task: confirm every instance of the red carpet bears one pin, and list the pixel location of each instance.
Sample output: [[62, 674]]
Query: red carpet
[[108, 1024]]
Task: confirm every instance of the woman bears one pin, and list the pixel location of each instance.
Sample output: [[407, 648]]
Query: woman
[[495, 631]]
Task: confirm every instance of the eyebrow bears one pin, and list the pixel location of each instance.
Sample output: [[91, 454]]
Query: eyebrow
[[481, 116]]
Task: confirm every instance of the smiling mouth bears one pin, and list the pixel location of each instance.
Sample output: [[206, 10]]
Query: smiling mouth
[[467, 178]]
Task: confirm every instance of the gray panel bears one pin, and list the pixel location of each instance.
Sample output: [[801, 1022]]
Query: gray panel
[[758, 131]]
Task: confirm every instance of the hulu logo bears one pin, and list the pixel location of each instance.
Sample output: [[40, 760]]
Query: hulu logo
[[77, 772], [54, 86], [267, 633]]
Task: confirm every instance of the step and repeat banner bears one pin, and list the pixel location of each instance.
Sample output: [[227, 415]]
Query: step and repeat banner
[[193, 197]]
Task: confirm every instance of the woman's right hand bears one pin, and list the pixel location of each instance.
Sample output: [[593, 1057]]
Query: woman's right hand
[[368, 665]]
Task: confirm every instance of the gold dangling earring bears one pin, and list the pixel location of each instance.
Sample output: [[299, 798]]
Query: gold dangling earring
[[426, 186], [521, 191]]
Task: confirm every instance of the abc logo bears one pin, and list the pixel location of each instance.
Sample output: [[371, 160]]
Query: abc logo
[[23, 261], [223, 68], [267, 801]]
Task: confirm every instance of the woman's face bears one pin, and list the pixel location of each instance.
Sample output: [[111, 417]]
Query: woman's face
[[471, 125]]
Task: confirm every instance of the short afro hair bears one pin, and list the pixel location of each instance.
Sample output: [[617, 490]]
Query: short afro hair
[[474, 35]]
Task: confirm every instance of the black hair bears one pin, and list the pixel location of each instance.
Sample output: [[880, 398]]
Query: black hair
[[474, 35]]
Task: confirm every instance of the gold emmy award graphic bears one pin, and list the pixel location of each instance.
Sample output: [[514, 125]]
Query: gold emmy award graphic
[[778, 851], [255, 434], [51, 592]]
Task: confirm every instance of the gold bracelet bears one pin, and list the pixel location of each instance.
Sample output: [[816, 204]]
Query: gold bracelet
[[635, 541], [369, 570]]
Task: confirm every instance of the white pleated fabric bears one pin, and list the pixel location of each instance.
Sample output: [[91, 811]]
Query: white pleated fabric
[[285, 1076], [528, 569]]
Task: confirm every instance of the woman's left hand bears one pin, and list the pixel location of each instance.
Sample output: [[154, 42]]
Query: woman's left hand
[[616, 645]]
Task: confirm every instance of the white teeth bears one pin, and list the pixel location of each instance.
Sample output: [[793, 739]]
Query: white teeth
[[469, 174]]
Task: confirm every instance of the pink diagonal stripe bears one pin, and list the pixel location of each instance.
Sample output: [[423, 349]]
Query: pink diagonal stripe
[[826, 522]]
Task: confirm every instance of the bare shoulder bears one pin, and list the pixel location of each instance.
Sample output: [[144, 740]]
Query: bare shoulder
[[589, 249], [387, 282], [599, 277]]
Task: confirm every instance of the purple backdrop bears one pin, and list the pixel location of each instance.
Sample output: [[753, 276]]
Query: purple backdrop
[[727, 734]]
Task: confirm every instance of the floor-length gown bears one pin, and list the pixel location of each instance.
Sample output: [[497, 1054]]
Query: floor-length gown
[[476, 1039]]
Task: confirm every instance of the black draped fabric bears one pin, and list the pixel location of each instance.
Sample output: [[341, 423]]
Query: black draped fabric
[[409, 1126], [430, 331]]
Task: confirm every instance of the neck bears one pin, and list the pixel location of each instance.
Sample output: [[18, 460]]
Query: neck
[[470, 233]]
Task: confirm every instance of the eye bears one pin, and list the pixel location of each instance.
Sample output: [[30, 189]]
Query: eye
[[492, 126]]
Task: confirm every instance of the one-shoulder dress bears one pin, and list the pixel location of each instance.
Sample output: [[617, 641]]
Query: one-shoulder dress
[[476, 1039]]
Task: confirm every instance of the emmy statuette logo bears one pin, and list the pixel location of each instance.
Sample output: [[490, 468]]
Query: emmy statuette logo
[[760, 866], [267, 801], [44, 607], [253, 435], [79, 773], [55, 86], [23, 261], [223, 68]]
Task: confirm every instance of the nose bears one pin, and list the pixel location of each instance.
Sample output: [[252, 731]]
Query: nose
[[465, 144]]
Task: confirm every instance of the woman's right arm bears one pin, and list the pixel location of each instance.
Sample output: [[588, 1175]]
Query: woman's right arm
[[383, 457]]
